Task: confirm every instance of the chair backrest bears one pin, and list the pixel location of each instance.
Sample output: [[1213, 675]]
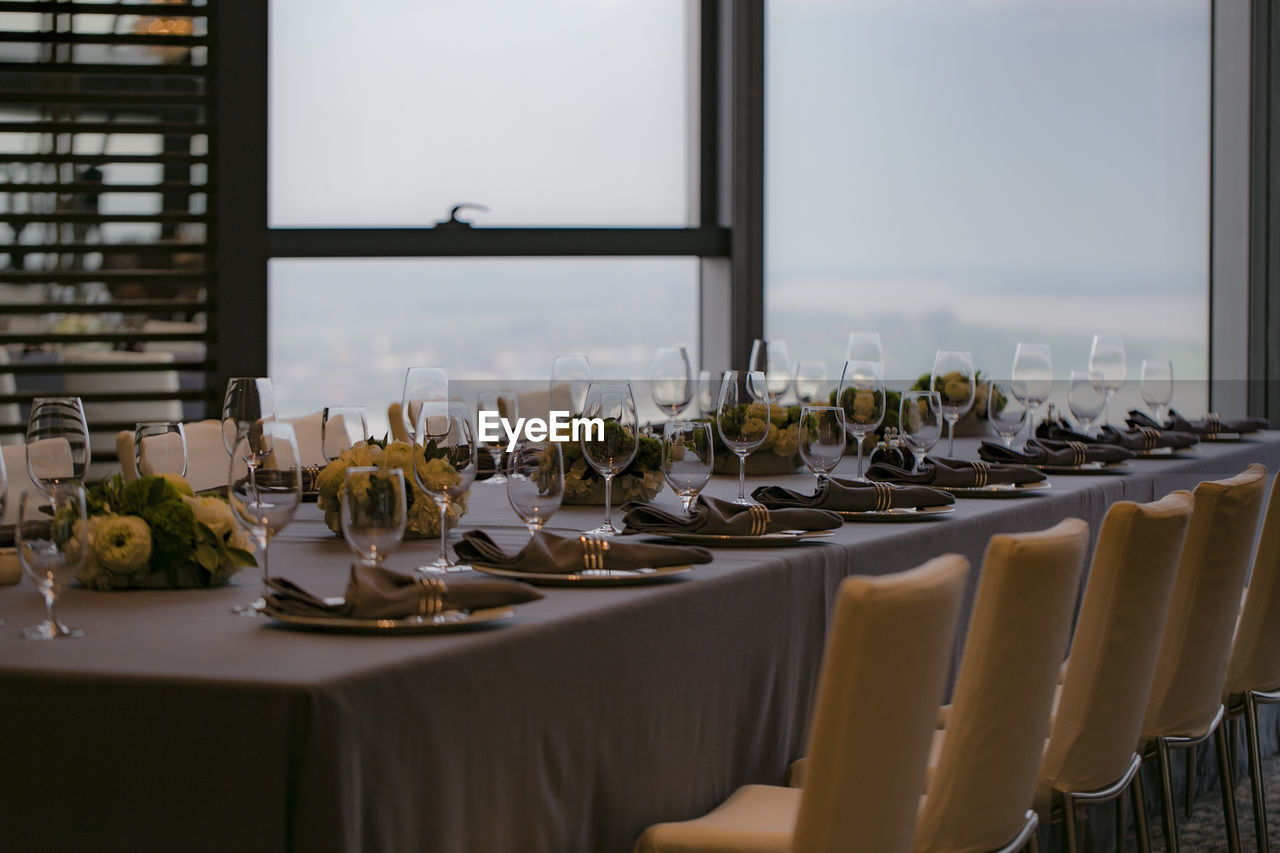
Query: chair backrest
[[1255, 653], [1117, 638], [16, 479], [883, 675], [986, 774], [306, 429], [10, 413], [207, 459], [1192, 666]]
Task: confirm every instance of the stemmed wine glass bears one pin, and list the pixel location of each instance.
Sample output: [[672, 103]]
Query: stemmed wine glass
[[58, 451], [1032, 378], [741, 430], [159, 447], [811, 382], [822, 439], [611, 448], [687, 459], [507, 405], [374, 512], [953, 379], [671, 380], [52, 543], [707, 394], [920, 421], [421, 385], [535, 482], [247, 407], [1005, 412], [1157, 387], [865, 346], [264, 495], [771, 359], [341, 427], [1086, 397], [444, 431], [1106, 356], [570, 378], [862, 396]]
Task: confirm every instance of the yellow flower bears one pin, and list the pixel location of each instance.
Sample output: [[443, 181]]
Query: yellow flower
[[122, 543]]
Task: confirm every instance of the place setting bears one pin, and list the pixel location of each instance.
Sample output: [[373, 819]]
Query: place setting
[[1060, 457]]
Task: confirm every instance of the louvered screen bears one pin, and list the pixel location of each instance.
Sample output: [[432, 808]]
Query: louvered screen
[[105, 212]]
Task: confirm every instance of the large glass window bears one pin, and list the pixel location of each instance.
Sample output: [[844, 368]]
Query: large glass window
[[969, 174]]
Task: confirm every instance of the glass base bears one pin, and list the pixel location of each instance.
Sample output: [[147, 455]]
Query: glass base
[[50, 631], [253, 609], [746, 501], [606, 529], [434, 569], [496, 480]]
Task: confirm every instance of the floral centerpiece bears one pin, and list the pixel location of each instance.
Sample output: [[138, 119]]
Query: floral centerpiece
[[955, 385], [424, 514], [780, 452], [154, 533], [892, 405], [640, 481]]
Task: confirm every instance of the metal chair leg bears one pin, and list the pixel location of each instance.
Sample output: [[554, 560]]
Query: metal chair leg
[[1140, 814], [1228, 792], [1120, 817], [1069, 821], [1166, 796], [1033, 843], [1191, 780], [1255, 772]]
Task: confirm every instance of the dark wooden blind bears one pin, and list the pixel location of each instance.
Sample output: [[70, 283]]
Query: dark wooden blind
[[106, 211]]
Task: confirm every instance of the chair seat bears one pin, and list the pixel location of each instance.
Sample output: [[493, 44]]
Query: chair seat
[[796, 772], [755, 819]]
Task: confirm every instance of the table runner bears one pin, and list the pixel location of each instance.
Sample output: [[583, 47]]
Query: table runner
[[175, 725]]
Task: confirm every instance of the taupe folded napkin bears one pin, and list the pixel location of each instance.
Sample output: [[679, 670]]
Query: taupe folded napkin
[[1211, 424], [945, 473], [1137, 439], [714, 517], [374, 592], [1046, 451], [546, 553], [852, 496]]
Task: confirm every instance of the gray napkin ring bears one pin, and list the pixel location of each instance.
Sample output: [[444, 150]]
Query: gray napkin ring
[[981, 473]]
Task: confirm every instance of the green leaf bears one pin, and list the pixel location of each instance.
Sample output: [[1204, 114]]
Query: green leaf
[[207, 556], [242, 556], [156, 493]]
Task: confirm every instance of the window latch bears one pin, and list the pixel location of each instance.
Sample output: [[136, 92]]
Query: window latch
[[454, 222]]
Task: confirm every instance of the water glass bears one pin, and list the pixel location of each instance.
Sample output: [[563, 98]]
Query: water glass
[[1157, 387], [507, 406], [58, 451], [862, 397], [954, 379], [159, 447], [708, 393], [52, 543], [865, 346], [247, 404], [1005, 412], [1086, 397], [687, 459], [570, 379], [264, 495], [374, 512], [920, 422], [822, 439], [1106, 356], [1032, 377], [743, 424], [811, 382], [421, 385], [770, 358], [611, 450], [444, 430], [671, 380], [535, 482], [341, 427]]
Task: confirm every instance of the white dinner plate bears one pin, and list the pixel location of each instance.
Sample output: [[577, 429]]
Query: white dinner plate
[[450, 620], [902, 513], [997, 490], [778, 539], [601, 577]]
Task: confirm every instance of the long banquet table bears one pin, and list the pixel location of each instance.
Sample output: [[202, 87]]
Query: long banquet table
[[175, 725]]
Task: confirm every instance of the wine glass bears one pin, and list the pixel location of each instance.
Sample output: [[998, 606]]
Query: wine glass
[[570, 378], [341, 427], [1106, 356], [953, 379], [421, 385], [862, 397], [52, 543], [687, 459], [1032, 378], [822, 439], [865, 346], [507, 407], [159, 447], [1005, 412], [248, 403], [770, 359], [1157, 387], [671, 380], [811, 382], [264, 495], [743, 424], [707, 394], [444, 431], [58, 449], [374, 512], [920, 422], [610, 446], [535, 481], [1086, 397]]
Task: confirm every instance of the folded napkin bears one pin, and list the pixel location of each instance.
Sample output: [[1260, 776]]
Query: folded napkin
[[374, 592], [956, 473], [551, 554], [852, 496], [1137, 439], [1046, 451], [714, 517], [1211, 424]]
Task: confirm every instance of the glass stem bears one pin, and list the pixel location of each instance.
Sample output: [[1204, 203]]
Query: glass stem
[[951, 436], [742, 477], [264, 542], [444, 532], [857, 440], [608, 500], [50, 618], [1106, 406]]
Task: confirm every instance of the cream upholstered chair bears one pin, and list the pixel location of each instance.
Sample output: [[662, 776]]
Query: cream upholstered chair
[[16, 479], [1185, 707], [985, 780], [1090, 756], [882, 677], [207, 459], [1253, 670]]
